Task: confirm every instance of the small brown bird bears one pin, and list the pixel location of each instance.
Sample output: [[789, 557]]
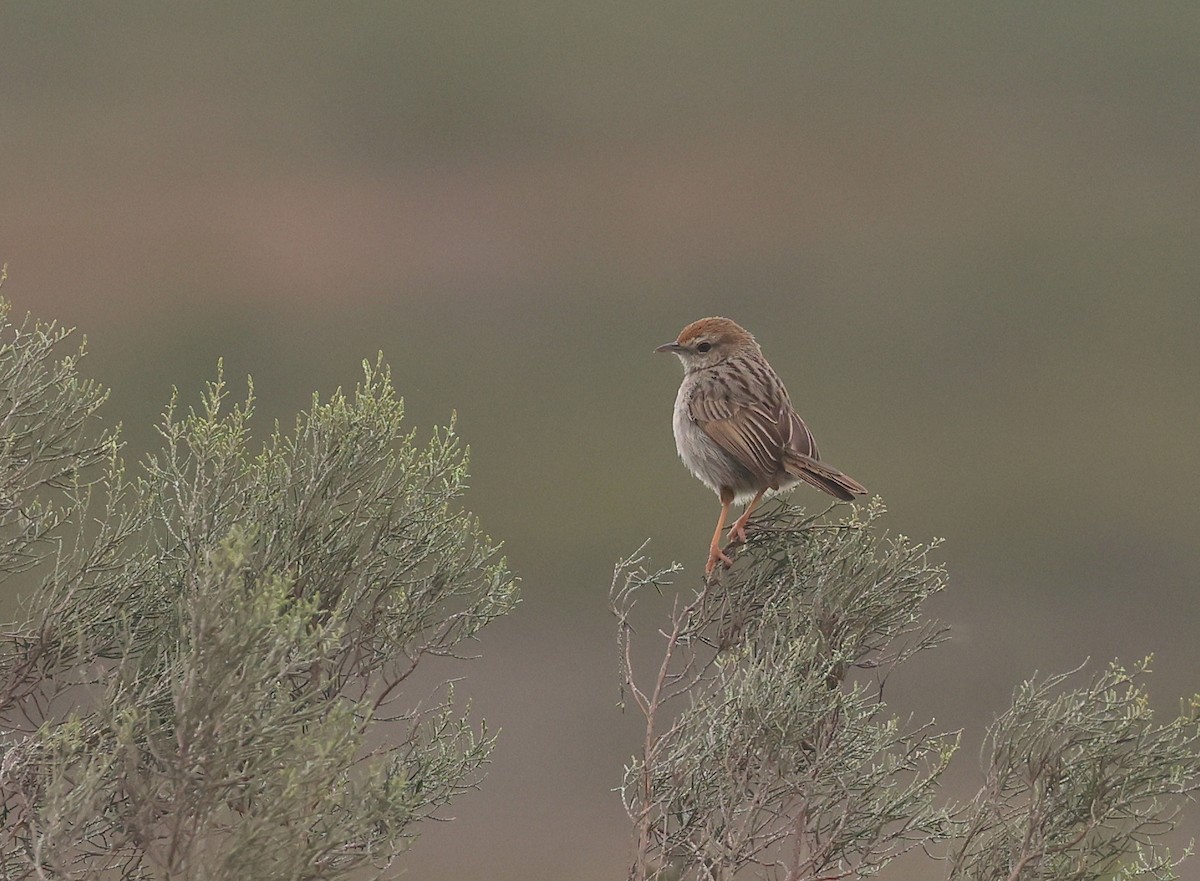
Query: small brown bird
[[735, 428]]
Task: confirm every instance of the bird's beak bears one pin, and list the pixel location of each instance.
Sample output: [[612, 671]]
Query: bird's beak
[[669, 347]]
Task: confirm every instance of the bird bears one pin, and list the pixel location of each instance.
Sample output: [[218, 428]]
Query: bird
[[736, 430]]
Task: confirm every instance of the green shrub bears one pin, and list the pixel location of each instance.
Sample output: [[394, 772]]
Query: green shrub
[[214, 674], [770, 753]]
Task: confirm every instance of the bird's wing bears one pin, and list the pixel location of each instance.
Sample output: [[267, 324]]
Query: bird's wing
[[797, 436], [747, 429]]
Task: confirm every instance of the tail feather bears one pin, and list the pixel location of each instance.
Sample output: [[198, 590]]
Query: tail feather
[[824, 477]]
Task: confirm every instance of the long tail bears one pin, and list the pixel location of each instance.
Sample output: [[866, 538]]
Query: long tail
[[823, 477]]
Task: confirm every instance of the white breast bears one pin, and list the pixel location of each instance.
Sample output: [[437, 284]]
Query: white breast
[[711, 465]]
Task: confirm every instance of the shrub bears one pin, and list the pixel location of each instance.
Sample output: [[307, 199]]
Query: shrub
[[214, 674], [769, 752]]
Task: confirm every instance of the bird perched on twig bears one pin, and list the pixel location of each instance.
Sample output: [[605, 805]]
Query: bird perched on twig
[[736, 430]]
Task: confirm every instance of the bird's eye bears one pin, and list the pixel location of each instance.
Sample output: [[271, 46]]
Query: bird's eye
[[703, 347]]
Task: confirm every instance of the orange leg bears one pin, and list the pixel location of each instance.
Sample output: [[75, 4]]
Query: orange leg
[[714, 549], [737, 532]]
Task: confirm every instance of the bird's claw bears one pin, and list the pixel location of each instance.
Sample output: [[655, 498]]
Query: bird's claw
[[717, 556]]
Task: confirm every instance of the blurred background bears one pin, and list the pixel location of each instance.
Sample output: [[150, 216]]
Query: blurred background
[[965, 235]]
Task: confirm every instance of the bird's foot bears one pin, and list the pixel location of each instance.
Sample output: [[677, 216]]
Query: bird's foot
[[737, 533], [716, 555]]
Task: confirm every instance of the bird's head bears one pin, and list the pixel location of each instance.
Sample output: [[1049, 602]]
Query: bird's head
[[710, 341]]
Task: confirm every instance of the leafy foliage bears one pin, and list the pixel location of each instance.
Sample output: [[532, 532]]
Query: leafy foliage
[[211, 680], [1080, 784], [763, 748], [768, 750]]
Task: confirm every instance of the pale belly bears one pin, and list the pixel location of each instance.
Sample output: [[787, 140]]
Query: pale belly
[[711, 465]]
